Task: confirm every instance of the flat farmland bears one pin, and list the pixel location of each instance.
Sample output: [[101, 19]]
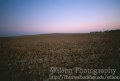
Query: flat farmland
[[29, 58]]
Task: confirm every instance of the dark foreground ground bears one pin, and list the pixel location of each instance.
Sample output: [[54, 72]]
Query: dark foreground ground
[[29, 58]]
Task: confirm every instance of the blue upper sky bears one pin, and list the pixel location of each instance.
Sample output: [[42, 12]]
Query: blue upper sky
[[58, 16]]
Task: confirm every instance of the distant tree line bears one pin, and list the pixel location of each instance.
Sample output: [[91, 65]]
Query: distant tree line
[[115, 31], [107, 31]]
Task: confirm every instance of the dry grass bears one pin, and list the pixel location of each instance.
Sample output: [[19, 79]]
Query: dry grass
[[28, 58]]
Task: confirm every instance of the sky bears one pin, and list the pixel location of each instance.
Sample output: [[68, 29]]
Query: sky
[[18, 17]]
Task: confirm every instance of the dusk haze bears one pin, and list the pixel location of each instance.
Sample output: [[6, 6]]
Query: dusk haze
[[59, 40], [24, 17]]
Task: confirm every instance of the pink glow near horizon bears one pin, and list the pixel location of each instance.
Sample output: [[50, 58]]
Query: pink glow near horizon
[[60, 16]]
